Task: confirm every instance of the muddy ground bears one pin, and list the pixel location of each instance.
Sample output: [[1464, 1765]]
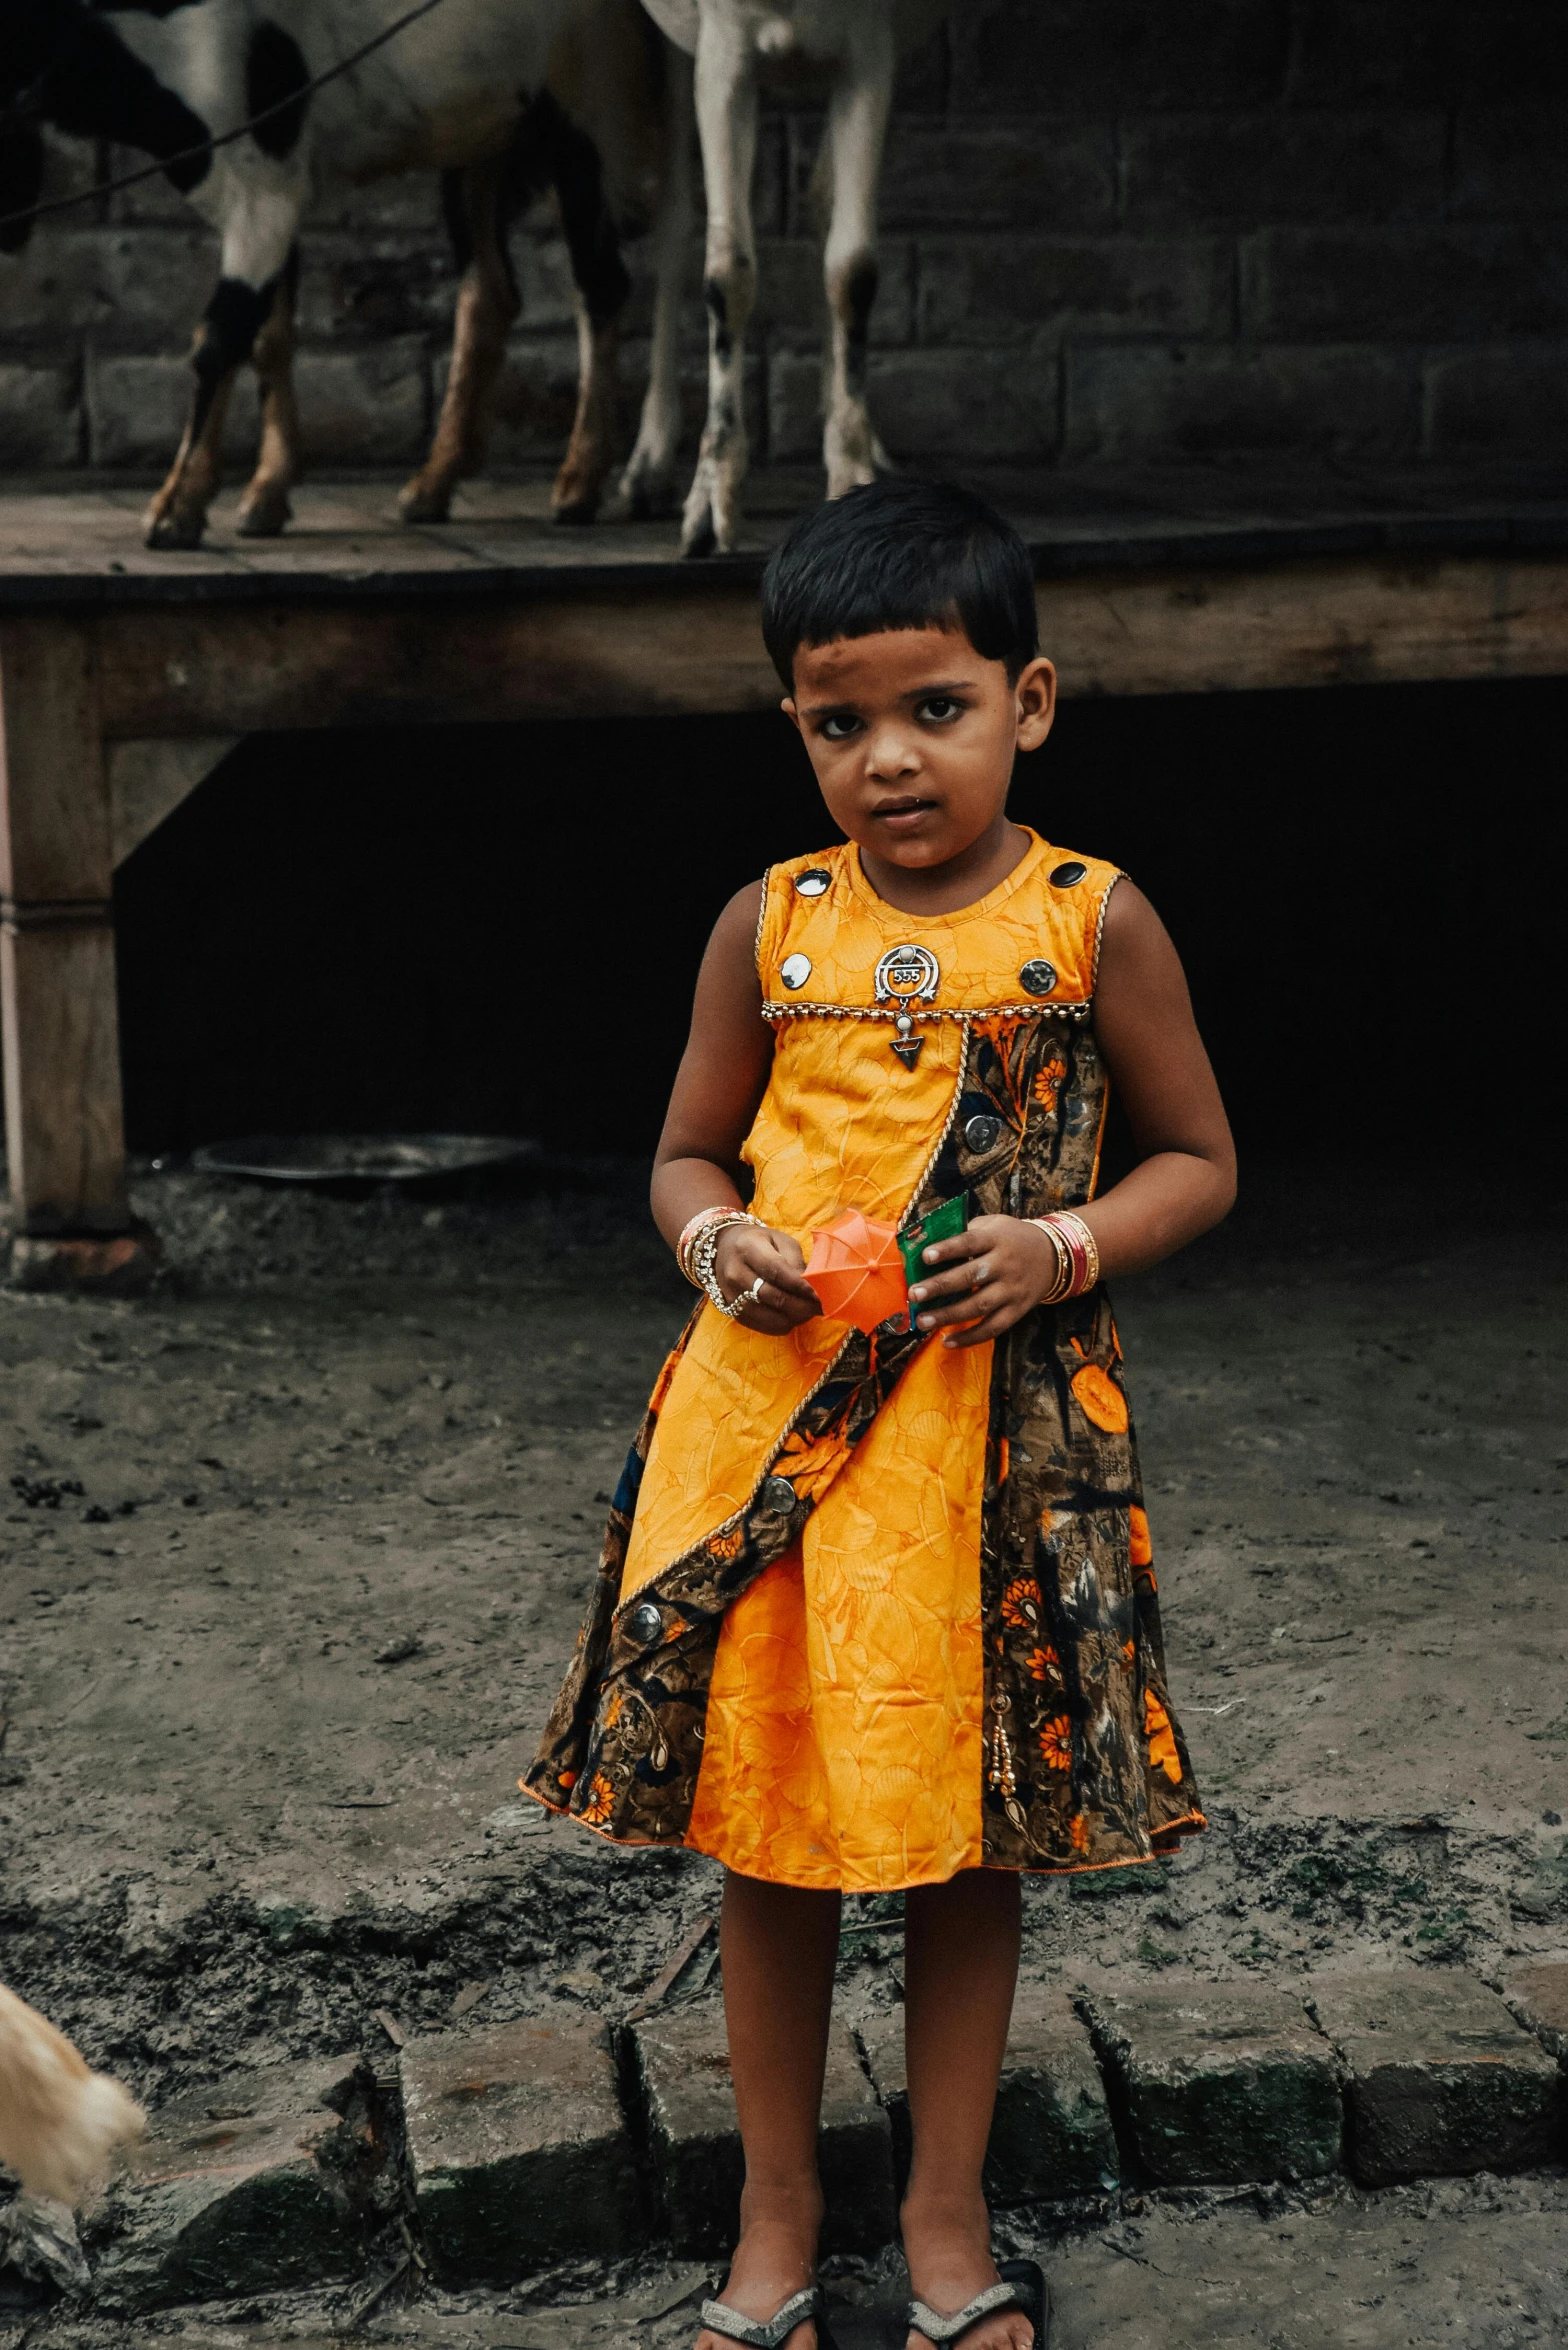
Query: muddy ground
[[298, 1545]]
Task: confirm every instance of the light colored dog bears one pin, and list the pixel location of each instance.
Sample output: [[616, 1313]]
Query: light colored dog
[[59, 2120]]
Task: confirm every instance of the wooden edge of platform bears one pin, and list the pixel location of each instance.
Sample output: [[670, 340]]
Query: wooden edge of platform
[[469, 573], [177, 671]]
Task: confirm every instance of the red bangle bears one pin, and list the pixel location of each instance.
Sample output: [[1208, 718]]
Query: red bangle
[[1078, 1256]]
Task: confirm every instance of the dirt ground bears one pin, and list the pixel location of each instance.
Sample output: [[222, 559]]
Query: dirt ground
[[298, 1545]]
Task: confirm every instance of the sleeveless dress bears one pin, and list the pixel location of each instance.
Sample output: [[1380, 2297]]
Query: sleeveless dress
[[871, 1610]]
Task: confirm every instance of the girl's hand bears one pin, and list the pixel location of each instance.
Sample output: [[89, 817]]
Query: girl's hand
[[788, 1299], [995, 1271]]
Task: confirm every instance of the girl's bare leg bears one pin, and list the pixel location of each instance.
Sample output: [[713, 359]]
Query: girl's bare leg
[[960, 1967], [780, 1945]]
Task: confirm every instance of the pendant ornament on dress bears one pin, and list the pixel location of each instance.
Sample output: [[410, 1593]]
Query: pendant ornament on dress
[[906, 1044], [907, 975]]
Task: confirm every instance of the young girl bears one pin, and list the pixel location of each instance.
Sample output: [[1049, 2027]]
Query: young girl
[[878, 1612]]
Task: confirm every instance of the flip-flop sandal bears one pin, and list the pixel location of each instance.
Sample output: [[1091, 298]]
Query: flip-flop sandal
[[1022, 2287], [768, 2334]]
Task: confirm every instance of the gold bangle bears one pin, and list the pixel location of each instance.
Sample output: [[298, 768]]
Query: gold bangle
[[702, 1256], [1061, 1280], [692, 1232]]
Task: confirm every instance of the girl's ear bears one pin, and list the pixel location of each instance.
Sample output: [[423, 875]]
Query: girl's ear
[[790, 712], [1035, 701]]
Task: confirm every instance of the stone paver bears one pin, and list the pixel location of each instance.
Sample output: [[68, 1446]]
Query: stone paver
[[1538, 1996], [1052, 2134], [243, 2188], [1440, 2077], [517, 2147], [683, 2067], [1223, 2081]]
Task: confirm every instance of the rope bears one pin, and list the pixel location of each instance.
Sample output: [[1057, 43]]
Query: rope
[[209, 147]]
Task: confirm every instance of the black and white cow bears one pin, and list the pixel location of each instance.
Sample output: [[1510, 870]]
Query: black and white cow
[[503, 97], [848, 50]]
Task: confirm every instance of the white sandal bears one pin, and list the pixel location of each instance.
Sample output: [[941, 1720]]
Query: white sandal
[[770, 2333], [1021, 2285]]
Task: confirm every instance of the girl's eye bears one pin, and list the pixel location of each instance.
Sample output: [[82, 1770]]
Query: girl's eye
[[940, 706], [838, 730]]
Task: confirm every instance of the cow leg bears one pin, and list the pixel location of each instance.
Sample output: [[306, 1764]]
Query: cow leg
[[600, 287], [224, 341], [579, 485], [264, 508], [726, 94], [856, 131], [487, 303], [647, 485]]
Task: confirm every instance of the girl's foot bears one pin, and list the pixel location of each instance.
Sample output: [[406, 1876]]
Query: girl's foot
[[776, 2256], [947, 2245]]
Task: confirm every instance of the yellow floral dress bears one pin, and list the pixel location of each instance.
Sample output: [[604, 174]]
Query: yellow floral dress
[[872, 1610]]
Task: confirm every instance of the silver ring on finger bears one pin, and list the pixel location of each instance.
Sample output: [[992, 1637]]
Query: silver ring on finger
[[980, 1275], [747, 1297]]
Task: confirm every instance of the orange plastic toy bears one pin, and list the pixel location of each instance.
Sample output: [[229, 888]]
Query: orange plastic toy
[[857, 1271]]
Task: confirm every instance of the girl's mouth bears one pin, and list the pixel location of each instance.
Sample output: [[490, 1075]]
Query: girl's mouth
[[903, 815]]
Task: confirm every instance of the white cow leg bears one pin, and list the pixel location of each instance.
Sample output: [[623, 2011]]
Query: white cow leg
[[648, 484], [264, 508], [857, 129], [487, 303], [726, 90]]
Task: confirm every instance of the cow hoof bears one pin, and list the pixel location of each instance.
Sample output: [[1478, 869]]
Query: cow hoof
[[645, 493], [710, 514], [572, 513], [420, 504], [645, 502], [174, 529], [263, 517]]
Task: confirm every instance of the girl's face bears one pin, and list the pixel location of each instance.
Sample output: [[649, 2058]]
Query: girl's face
[[912, 734]]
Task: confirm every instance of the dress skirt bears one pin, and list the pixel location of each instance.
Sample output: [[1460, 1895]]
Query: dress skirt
[[843, 1742]]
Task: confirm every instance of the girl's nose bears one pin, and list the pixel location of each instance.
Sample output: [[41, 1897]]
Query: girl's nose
[[891, 751]]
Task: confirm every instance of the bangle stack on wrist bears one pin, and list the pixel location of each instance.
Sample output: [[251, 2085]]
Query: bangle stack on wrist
[[694, 1253], [1077, 1257]]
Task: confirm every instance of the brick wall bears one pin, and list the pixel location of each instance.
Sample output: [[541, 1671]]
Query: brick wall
[[1113, 229]]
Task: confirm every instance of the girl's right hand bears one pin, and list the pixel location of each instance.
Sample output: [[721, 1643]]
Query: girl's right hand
[[787, 1298]]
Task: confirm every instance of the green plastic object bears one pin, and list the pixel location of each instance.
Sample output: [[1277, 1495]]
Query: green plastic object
[[945, 1221]]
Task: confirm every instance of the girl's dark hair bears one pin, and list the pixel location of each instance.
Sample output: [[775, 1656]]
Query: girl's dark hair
[[901, 554]]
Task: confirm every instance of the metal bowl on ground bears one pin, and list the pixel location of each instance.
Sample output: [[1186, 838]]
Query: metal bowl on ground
[[361, 1158]]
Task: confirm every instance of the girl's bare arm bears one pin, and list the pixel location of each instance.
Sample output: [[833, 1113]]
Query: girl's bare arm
[[1185, 1179], [721, 1079]]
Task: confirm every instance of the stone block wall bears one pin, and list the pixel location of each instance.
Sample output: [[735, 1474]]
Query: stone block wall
[[1112, 231]]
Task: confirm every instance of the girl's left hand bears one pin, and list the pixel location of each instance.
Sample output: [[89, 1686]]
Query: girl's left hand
[[997, 1270]]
